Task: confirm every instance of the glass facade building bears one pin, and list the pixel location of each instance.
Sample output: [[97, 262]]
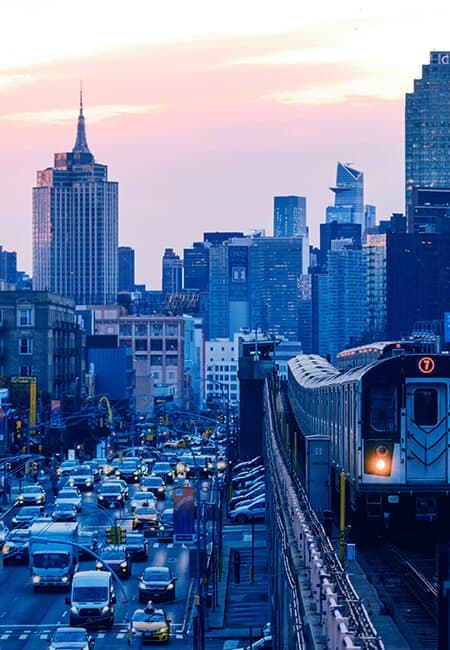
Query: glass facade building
[[75, 227], [289, 216], [349, 196], [427, 127]]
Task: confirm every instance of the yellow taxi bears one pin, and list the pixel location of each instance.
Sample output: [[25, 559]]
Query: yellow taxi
[[150, 624]]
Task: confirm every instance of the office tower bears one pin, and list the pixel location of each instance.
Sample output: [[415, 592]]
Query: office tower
[[345, 299], [374, 261], [333, 231], [126, 268], [429, 210], [417, 280], [276, 265], [289, 216], [172, 272], [349, 196], [75, 226], [218, 238], [370, 216], [8, 266], [427, 127], [196, 267]]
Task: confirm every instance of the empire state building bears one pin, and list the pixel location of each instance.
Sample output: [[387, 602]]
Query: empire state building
[[75, 226]]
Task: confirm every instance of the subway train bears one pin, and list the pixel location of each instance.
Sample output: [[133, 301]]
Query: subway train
[[386, 430]]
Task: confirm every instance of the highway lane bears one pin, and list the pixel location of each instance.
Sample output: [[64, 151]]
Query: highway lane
[[27, 619]]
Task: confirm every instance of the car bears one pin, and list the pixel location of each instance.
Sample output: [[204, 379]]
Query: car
[[15, 547], [130, 469], [136, 546], [164, 470], [247, 502], [255, 511], [248, 464], [166, 527], [73, 638], [81, 477], [118, 481], [64, 512], [31, 495], [251, 493], [265, 643], [142, 499], [71, 496], [150, 625], [157, 583], [155, 485], [247, 477], [25, 515], [4, 530], [95, 467], [145, 518], [261, 482], [116, 559], [89, 540], [248, 483], [110, 496], [66, 466]]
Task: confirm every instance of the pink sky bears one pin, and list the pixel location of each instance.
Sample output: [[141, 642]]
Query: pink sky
[[203, 127]]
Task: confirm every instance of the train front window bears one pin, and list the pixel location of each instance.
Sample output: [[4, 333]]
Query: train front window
[[383, 409], [425, 407]]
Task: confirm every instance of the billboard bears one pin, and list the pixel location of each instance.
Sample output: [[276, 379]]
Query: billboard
[[183, 514]]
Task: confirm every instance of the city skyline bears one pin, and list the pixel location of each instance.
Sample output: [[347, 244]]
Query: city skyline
[[243, 106]]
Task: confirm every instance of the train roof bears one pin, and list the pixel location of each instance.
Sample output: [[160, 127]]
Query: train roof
[[313, 371]]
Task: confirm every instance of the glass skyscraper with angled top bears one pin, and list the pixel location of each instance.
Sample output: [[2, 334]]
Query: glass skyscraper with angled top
[[427, 127], [75, 227], [348, 196]]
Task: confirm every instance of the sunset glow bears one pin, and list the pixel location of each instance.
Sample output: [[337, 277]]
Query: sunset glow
[[204, 111]]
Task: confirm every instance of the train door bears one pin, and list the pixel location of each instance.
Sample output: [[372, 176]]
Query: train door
[[426, 432]]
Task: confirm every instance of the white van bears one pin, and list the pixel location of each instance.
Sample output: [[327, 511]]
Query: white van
[[92, 599]]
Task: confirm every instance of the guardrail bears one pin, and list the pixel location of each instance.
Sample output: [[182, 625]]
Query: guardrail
[[343, 617]]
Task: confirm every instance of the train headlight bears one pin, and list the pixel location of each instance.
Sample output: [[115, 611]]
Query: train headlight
[[378, 457]]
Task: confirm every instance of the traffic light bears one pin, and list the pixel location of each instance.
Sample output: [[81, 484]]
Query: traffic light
[[122, 535], [111, 535], [222, 418]]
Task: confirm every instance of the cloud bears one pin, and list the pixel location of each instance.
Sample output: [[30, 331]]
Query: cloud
[[95, 113]]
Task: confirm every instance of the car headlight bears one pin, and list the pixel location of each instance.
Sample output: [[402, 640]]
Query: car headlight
[[123, 565], [136, 632], [162, 630], [52, 647], [74, 609], [142, 585], [105, 609], [71, 482], [170, 586], [160, 489], [88, 481], [6, 549], [85, 647], [99, 565], [100, 497], [35, 579], [63, 579]]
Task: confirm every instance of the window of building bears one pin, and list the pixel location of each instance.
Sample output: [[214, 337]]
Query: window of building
[[226, 368], [24, 316], [172, 375], [140, 329], [156, 329], [156, 345], [233, 396], [25, 345], [171, 360], [156, 360], [25, 371], [233, 386], [171, 345], [233, 368], [225, 377], [156, 375], [171, 329], [125, 329], [125, 343], [140, 345], [141, 357]]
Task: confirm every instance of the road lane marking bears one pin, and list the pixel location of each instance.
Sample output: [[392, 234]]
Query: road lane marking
[[22, 637], [4, 636]]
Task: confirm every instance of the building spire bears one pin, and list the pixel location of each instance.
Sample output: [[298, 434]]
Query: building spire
[[81, 145]]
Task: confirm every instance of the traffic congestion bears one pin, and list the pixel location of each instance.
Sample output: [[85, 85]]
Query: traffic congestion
[[96, 552]]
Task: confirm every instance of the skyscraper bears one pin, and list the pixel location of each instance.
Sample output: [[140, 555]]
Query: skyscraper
[[349, 196], [126, 268], [427, 127], [75, 226], [172, 272], [289, 216]]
